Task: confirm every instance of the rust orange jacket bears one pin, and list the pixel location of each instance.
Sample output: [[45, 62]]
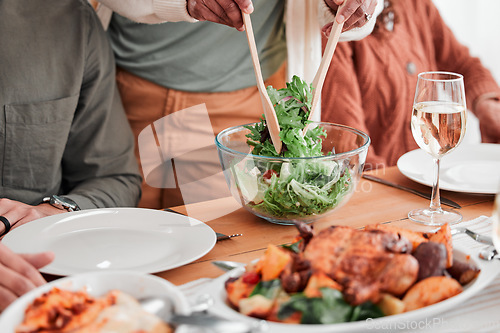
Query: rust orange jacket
[[371, 83]]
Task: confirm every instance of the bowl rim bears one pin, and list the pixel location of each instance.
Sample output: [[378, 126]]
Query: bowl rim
[[353, 152]]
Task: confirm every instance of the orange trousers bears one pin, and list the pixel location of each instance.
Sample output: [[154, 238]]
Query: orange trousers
[[145, 103]]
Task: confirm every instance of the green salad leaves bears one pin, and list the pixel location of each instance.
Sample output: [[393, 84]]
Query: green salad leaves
[[295, 187], [330, 308], [292, 105]]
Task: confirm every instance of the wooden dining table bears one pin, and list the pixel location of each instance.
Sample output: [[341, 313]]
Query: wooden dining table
[[370, 203]]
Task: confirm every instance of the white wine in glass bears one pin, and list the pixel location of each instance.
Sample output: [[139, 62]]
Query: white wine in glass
[[438, 123]]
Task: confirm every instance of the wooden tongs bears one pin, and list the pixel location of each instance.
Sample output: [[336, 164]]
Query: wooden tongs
[[271, 119], [319, 79], [317, 84]]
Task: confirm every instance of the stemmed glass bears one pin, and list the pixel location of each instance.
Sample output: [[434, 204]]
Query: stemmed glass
[[496, 222], [438, 125]]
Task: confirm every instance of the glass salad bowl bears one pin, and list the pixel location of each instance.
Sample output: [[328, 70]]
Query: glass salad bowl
[[284, 190]]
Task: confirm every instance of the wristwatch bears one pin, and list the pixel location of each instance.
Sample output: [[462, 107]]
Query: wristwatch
[[61, 203]]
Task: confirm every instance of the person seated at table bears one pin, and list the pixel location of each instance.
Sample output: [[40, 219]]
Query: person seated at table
[[166, 69], [371, 83], [62, 126]]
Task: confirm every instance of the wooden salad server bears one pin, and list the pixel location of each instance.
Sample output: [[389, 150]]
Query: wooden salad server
[[319, 79], [269, 113]]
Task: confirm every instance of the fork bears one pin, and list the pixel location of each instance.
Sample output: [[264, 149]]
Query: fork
[[224, 237], [220, 236], [474, 235]]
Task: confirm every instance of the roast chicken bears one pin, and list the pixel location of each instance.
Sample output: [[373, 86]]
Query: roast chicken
[[366, 263]]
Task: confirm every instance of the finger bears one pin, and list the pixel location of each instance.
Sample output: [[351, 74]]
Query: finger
[[348, 9], [357, 19], [5, 206], [333, 4], [233, 12], [20, 215], [28, 217], [199, 10], [6, 298], [245, 5], [5, 225], [15, 282], [38, 260], [360, 17], [16, 267], [13, 214]]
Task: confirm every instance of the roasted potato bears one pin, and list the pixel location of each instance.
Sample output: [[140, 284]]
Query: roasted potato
[[237, 290], [273, 262], [256, 306], [463, 271], [432, 259], [429, 291], [391, 305], [443, 236], [319, 280]]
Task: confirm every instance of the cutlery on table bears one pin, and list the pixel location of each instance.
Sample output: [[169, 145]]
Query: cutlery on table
[[226, 265], [324, 65], [224, 237], [271, 119], [219, 235], [488, 253], [165, 309], [474, 235], [444, 201]]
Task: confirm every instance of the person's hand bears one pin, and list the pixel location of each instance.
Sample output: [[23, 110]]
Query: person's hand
[[488, 113], [19, 273], [18, 213], [355, 13], [227, 12]]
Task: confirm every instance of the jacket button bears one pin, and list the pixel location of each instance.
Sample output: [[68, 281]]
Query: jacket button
[[411, 68]]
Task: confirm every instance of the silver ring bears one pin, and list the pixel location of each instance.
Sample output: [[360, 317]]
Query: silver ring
[[368, 16]]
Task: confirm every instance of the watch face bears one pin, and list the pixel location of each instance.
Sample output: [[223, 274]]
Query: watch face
[[63, 203]]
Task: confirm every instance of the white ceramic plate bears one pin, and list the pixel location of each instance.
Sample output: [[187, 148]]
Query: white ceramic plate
[[488, 272], [97, 284], [469, 168], [142, 240]]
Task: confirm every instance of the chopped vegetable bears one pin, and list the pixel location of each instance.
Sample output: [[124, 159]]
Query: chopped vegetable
[[330, 308], [295, 188]]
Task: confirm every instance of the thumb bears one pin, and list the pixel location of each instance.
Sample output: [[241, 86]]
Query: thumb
[[38, 260]]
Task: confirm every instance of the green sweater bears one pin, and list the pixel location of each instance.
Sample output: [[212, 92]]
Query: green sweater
[[202, 56]]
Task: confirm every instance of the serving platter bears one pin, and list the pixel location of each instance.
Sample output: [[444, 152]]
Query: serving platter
[[489, 270], [142, 240], [472, 168]]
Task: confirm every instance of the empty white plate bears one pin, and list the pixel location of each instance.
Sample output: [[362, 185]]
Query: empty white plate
[[469, 168], [142, 240]]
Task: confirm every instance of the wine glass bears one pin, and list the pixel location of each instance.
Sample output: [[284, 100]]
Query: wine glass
[[438, 125], [496, 222]]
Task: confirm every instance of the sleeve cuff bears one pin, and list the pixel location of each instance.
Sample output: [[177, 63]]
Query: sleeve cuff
[[82, 201], [172, 10], [491, 95]]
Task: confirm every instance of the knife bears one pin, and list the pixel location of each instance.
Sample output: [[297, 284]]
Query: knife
[[444, 201], [227, 265]]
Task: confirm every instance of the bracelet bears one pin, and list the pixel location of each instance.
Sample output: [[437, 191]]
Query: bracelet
[[6, 223]]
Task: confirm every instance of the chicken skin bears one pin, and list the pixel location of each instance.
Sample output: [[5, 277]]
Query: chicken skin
[[365, 263]]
